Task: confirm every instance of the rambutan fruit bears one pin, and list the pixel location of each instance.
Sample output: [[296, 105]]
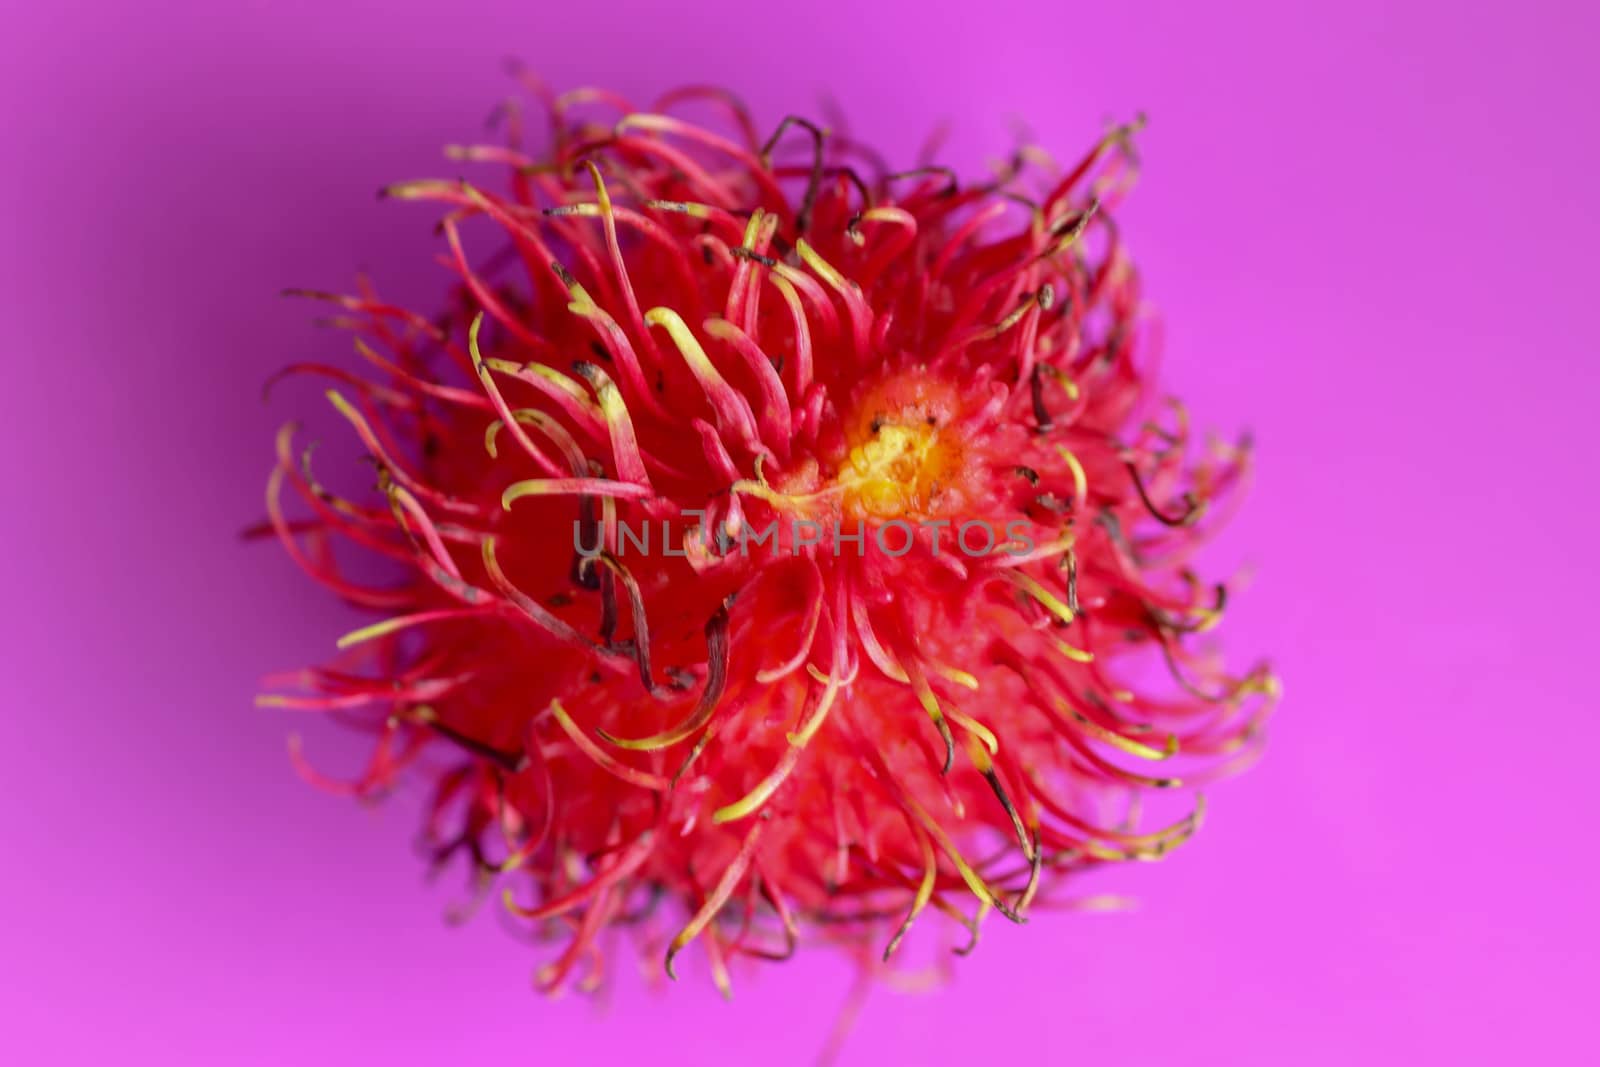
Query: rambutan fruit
[[788, 545]]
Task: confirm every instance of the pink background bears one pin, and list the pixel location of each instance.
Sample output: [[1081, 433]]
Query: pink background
[[1371, 230]]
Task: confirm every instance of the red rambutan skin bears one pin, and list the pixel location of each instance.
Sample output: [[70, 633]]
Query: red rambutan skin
[[928, 682]]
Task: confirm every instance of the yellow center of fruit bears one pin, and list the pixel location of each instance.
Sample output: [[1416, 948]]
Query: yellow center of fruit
[[903, 454], [895, 471]]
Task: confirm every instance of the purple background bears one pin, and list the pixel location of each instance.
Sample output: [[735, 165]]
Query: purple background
[[1371, 231]]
